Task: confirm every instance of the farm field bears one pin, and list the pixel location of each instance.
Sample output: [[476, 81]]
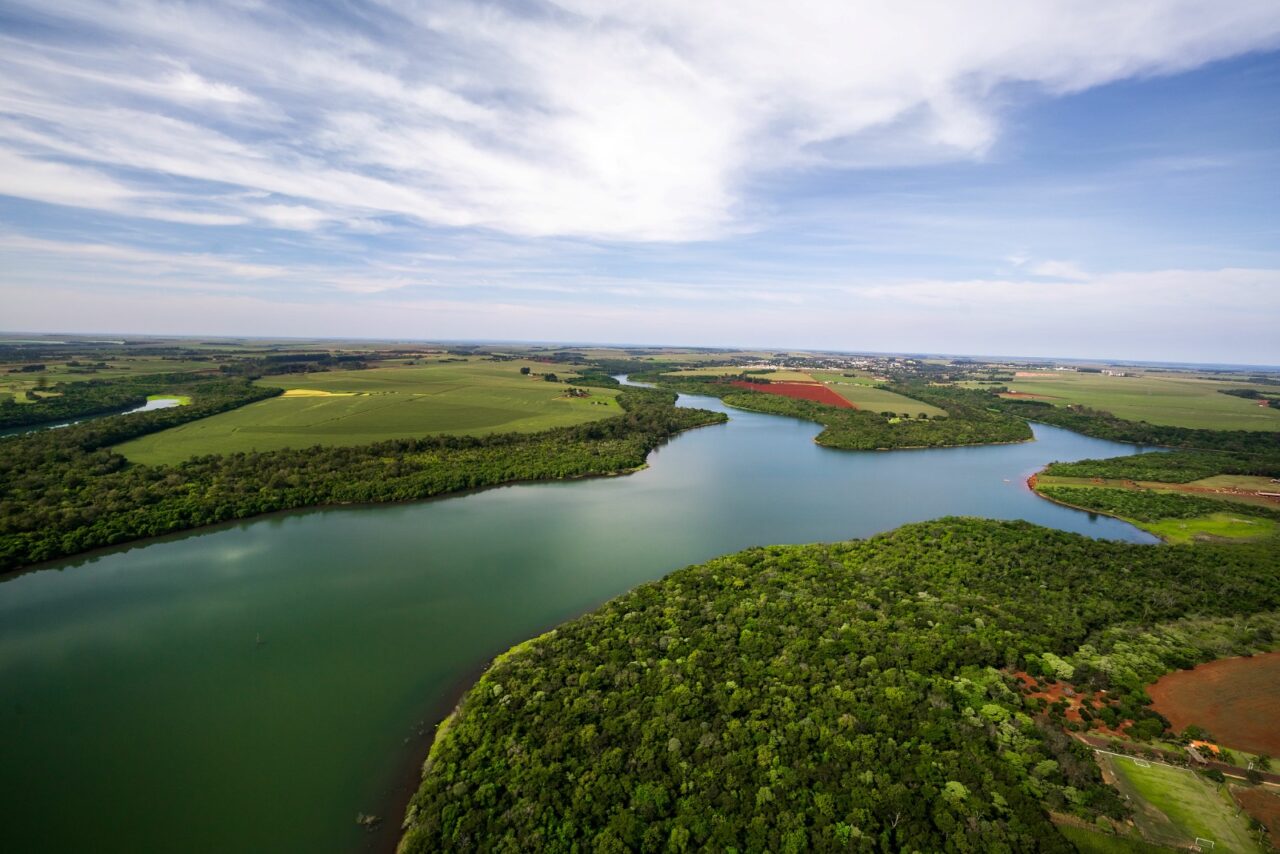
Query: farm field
[[1234, 699], [1262, 805], [1174, 806], [476, 397], [16, 384], [1173, 401], [801, 391], [858, 390], [880, 400]]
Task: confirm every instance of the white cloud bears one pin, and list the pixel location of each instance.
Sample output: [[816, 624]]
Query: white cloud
[[603, 119]]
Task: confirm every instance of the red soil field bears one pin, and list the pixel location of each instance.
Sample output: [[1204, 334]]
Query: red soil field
[[803, 391], [1235, 699], [1262, 805]]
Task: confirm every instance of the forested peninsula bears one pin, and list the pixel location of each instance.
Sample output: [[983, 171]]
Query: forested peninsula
[[66, 491], [971, 420], [859, 695]]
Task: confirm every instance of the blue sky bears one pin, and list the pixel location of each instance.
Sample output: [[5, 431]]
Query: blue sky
[[1048, 178]]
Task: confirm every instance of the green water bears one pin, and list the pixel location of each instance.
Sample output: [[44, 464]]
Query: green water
[[252, 688]]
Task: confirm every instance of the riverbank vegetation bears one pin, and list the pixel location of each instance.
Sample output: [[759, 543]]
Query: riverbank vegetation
[[969, 418], [857, 695], [66, 491]]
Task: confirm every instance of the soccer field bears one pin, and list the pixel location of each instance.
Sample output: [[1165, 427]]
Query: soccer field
[[1175, 806], [474, 397]]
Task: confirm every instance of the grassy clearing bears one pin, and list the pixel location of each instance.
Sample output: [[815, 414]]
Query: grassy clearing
[[879, 400], [1222, 526], [1174, 806], [476, 397], [59, 372], [1178, 401], [1098, 842]]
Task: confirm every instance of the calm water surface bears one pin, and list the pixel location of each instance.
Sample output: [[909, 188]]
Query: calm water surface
[[252, 688], [150, 405]]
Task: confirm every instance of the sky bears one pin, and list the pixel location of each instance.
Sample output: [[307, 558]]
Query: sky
[[1045, 178]]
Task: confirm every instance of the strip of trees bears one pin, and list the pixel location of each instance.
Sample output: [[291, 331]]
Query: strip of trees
[[66, 491]]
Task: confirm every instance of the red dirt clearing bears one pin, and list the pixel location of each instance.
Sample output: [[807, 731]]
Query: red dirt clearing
[[802, 391], [1262, 805], [1019, 395], [1235, 699]]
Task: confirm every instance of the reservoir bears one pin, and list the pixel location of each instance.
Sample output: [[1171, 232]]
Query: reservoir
[[253, 687]]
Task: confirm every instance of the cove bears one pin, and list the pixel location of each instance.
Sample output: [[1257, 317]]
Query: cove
[[152, 404], [255, 686]]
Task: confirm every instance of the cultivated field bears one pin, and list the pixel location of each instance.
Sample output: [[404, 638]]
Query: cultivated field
[[1180, 401], [475, 397], [1262, 805], [800, 391], [1174, 806], [1235, 699], [859, 390], [17, 384]]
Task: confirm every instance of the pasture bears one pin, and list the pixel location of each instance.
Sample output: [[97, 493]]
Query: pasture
[[1214, 526], [91, 368], [1175, 806], [475, 397], [1175, 400]]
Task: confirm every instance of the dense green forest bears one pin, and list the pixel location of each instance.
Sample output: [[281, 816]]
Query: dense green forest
[[969, 419], [1171, 467], [65, 491], [846, 696], [1146, 505]]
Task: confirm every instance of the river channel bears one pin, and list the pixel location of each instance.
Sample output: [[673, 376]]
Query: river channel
[[252, 687]]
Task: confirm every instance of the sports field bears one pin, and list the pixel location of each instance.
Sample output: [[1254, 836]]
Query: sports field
[[1175, 806], [474, 397], [1179, 401]]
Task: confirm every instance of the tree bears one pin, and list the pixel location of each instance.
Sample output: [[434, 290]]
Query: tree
[[551, 378], [524, 372]]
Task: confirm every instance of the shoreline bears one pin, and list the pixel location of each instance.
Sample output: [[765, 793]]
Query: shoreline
[[211, 527], [1031, 484]]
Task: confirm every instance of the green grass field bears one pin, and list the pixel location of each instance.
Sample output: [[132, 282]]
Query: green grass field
[[1179, 401], [1098, 842], [1226, 526], [879, 400], [360, 407], [17, 385], [1174, 806]]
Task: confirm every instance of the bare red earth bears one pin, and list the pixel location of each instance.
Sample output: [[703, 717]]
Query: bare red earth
[[1235, 699], [1262, 805], [802, 391]]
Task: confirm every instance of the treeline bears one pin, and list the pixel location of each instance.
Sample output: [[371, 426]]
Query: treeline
[[848, 696], [969, 421], [65, 491], [1147, 505], [1104, 425], [82, 399], [1172, 467]]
